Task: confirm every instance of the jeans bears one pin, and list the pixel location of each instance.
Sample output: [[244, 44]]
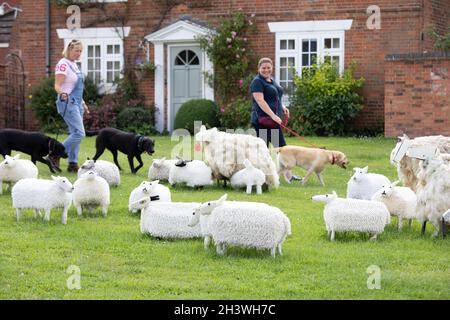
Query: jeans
[[73, 117]]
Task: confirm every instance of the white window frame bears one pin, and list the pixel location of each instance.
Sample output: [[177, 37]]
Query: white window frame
[[102, 37], [306, 30]]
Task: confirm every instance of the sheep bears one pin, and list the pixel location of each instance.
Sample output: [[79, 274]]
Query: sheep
[[12, 169], [400, 201], [31, 193], [433, 194], [408, 168], [445, 222], [248, 177], [167, 220], [105, 169], [159, 170], [149, 189], [225, 153], [353, 215], [363, 185], [91, 190], [245, 224], [194, 173]]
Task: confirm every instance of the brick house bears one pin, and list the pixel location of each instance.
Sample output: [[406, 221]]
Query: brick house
[[290, 32]]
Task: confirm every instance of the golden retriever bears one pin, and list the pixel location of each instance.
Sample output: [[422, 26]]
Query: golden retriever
[[310, 159]]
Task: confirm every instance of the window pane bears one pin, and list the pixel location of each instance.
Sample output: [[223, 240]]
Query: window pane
[[97, 51], [117, 65], [283, 45], [283, 74], [290, 75], [282, 62], [109, 49], [336, 43], [195, 61], [178, 61], [97, 64], [327, 43], [336, 60], [90, 64], [327, 59], [109, 65], [90, 51], [116, 75], [109, 77], [283, 84], [305, 59], [291, 44], [97, 76], [117, 49], [305, 45], [291, 62], [313, 58], [314, 45]]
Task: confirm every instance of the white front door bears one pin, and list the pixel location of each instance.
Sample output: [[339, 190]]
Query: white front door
[[185, 77]]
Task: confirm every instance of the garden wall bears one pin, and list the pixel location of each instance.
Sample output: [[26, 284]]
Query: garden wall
[[417, 94]]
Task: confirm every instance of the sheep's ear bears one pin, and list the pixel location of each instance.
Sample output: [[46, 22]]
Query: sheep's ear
[[7, 157], [155, 182], [365, 169], [163, 159], [54, 178], [222, 198], [247, 163], [202, 128], [334, 194], [356, 169], [395, 183], [17, 156]]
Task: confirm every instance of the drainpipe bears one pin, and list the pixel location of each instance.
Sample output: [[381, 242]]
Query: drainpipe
[[47, 37]]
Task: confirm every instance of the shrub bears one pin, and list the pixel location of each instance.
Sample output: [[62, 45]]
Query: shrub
[[323, 100], [196, 110], [43, 103], [137, 120], [236, 114], [441, 42]]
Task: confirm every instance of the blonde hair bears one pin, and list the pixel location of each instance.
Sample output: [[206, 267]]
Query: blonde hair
[[264, 60], [70, 45]]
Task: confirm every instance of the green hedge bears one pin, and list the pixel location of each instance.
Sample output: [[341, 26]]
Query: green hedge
[[197, 110]]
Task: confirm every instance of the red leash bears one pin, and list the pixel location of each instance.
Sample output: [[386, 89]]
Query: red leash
[[283, 125]]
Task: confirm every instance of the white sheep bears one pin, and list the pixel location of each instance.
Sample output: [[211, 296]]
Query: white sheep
[[12, 169], [408, 168], [91, 190], [342, 214], [167, 220], [160, 168], [149, 189], [400, 201], [244, 224], [363, 185], [248, 177], [105, 169], [39, 194], [194, 173], [433, 194], [225, 153]]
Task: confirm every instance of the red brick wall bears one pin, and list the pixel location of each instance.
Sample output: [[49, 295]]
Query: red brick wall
[[402, 24], [417, 95], [437, 16], [2, 94]]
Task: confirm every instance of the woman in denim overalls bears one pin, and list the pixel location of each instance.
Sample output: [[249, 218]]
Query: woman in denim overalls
[[69, 84]]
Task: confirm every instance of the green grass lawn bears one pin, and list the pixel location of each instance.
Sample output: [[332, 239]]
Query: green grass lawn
[[118, 262]]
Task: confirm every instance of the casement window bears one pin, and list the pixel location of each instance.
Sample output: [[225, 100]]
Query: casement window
[[302, 44], [102, 57]]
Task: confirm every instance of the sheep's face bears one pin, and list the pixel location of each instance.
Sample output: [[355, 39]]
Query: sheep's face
[[386, 191], [205, 135], [88, 165], [205, 209], [90, 175], [63, 183], [324, 197], [359, 174], [158, 163], [140, 204], [148, 186], [9, 162], [430, 165]]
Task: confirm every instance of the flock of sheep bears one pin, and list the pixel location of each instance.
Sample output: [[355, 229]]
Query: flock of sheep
[[246, 162]]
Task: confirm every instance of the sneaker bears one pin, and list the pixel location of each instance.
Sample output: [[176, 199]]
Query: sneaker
[[73, 167]]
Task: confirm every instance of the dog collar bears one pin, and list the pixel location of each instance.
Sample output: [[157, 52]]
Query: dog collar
[[139, 143], [333, 160]]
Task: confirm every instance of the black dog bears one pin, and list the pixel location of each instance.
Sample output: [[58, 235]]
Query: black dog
[[36, 144], [129, 143]]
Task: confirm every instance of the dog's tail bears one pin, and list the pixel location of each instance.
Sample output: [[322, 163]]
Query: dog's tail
[[91, 133]]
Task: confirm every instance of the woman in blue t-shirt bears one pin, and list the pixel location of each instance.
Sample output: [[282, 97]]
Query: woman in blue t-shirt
[[266, 96]]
